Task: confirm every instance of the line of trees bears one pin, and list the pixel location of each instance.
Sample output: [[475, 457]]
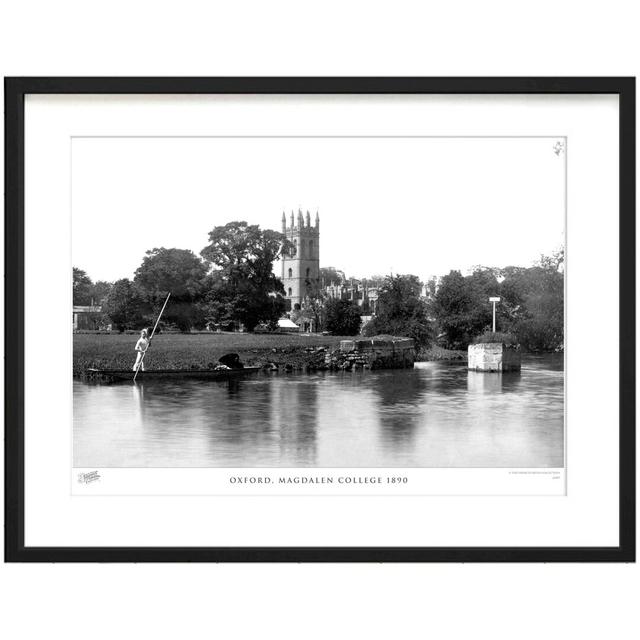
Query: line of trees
[[86, 292], [456, 308], [232, 281], [402, 311], [531, 304]]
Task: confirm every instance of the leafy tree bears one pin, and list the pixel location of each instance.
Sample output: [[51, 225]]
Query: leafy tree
[[461, 305], [376, 280], [244, 287], [226, 304], [100, 291], [301, 315], [554, 262], [450, 308], [86, 292], [342, 317], [402, 311], [331, 274], [534, 301], [314, 306], [245, 250], [82, 287], [125, 305], [176, 271], [531, 305], [431, 287]]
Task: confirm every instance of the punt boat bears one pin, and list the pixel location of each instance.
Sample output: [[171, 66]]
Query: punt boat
[[160, 374]]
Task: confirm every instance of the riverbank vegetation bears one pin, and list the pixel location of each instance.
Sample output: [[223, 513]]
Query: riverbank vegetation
[[402, 311], [531, 306], [197, 351], [232, 284], [342, 317], [498, 336]]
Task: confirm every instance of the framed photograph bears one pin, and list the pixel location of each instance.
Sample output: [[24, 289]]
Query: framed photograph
[[320, 319]]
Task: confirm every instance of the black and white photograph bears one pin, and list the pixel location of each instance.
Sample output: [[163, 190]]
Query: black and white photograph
[[320, 320], [367, 319], [314, 302]]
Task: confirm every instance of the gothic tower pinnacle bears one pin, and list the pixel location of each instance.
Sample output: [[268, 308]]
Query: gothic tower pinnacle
[[301, 264]]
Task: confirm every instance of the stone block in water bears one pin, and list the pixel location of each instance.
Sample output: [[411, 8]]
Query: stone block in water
[[494, 357]]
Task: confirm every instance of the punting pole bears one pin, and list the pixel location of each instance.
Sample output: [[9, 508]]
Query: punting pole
[[151, 338]]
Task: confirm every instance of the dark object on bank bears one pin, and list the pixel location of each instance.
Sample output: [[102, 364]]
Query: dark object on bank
[[231, 360]]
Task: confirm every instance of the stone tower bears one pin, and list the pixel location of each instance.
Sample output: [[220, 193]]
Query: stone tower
[[302, 264]]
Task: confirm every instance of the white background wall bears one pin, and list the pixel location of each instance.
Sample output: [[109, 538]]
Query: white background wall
[[329, 38]]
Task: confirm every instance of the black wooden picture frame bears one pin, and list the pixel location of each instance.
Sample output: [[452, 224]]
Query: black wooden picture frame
[[15, 91]]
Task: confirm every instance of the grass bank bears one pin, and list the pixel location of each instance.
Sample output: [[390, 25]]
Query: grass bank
[[199, 351]]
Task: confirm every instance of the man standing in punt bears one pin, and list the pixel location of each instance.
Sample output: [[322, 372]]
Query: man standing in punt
[[141, 346]]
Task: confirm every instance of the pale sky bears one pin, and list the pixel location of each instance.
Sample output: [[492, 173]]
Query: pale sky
[[411, 205]]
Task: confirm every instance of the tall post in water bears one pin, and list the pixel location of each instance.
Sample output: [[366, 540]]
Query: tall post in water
[[493, 300], [494, 355]]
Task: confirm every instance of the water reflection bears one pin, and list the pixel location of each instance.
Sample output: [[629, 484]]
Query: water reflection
[[491, 382], [402, 408], [436, 415], [293, 416]]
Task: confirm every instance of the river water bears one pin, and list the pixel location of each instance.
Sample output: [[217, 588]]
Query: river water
[[435, 415]]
